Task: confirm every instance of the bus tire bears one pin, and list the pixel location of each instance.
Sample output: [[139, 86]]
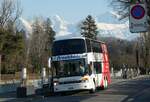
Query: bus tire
[[103, 86]]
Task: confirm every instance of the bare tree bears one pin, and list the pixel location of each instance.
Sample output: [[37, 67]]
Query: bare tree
[[121, 7], [42, 38], [146, 50], [9, 11]]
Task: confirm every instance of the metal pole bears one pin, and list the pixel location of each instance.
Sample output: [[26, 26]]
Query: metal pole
[[24, 77], [147, 3], [43, 74], [0, 65], [137, 56]]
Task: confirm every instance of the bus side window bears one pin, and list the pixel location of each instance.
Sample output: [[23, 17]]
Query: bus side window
[[88, 44], [95, 67], [98, 67], [89, 69], [96, 47]]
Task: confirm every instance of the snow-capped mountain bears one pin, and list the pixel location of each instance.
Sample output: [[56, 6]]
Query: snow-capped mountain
[[64, 28], [108, 25]]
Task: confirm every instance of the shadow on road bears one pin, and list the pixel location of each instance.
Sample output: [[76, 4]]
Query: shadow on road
[[139, 91], [66, 97]]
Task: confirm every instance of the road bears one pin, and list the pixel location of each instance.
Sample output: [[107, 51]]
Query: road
[[135, 90]]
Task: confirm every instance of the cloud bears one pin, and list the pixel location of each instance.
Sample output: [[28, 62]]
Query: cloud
[[105, 26], [115, 14]]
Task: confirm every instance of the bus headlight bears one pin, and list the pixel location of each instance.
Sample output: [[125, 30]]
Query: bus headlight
[[85, 81], [85, 78], [56, 83]]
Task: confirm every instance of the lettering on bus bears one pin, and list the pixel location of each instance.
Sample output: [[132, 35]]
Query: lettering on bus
[[68, 57]]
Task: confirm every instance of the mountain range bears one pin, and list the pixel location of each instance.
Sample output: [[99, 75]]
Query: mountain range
[[108, 25]]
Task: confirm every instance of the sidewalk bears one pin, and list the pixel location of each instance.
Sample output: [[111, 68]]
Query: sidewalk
[[140, 77]]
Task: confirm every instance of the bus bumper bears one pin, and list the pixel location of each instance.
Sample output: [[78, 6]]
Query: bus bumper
[[72, 87]]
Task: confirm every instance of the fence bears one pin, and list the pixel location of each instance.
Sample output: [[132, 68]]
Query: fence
[[10, 82], [16, 76], [126, 73]]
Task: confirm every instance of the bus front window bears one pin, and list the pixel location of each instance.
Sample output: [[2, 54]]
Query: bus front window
[[69, 46], [69, 68]]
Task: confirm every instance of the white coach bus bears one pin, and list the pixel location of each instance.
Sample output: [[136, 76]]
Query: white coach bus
[[80, 64]]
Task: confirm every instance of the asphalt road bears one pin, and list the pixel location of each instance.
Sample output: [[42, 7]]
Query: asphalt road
[[135, 90]]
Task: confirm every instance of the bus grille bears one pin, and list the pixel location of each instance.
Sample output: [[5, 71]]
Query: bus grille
[[70, 82]]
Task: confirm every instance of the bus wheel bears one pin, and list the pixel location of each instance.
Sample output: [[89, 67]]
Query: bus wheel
[[93, 90], [102, 87]]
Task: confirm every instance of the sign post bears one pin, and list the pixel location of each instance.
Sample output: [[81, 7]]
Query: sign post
[[148, 13], [138, 18], [137, 1]]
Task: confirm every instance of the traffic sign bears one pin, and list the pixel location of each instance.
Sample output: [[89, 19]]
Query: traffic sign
[[138, 18], [137, 12]]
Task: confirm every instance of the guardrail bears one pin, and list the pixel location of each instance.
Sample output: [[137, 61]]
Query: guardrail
[[16, 76], [10, 86]]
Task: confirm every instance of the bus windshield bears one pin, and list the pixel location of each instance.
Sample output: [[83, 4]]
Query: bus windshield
[[69, 68], [69, 46]]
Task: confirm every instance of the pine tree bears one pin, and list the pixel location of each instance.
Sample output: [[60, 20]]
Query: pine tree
[[11, 47], [89, 28], [50, 34]]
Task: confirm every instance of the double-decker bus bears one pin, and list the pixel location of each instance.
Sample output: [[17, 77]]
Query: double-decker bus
[[80, 64]]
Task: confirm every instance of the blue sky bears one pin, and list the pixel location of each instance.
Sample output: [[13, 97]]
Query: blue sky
[[70, 10]]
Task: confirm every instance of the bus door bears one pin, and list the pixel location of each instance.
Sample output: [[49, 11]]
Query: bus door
[[98, 69]]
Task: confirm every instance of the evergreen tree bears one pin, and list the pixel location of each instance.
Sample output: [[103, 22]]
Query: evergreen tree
[[11, 41], [50, 34], [89, 28], [11, 47]]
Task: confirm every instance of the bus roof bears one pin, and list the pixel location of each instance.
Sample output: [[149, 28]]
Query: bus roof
[[67, 38]]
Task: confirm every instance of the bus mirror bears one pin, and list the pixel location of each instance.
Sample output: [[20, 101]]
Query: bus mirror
[[49, 63]]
